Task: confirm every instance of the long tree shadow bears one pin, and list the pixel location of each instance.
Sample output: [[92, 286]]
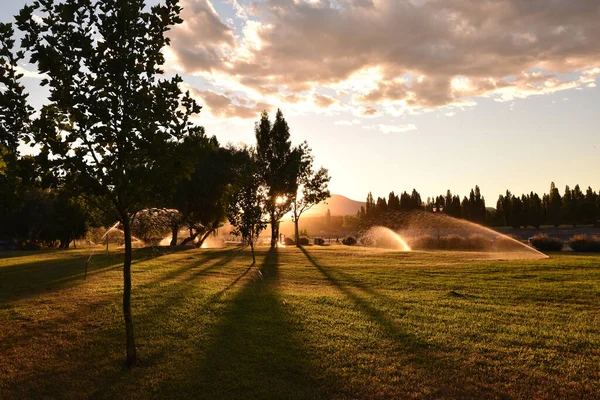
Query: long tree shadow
[[251, 352], [22, 280], [438, 371], [101, 336], [405, 339]]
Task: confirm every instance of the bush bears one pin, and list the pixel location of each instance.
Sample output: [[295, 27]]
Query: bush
[[349, 241], [319, 241], [288, 241], [478, 242], [452, 242], [585, 243], [423, 242], [544, 242], [303, 241]]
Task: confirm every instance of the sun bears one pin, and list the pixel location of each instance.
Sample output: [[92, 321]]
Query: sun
[[279, 200]]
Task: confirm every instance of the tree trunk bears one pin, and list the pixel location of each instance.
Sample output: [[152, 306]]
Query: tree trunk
[[201, 241], [252, 249], [174, 232], [131, 353], [274, 232], [192, 237], [297, 231]]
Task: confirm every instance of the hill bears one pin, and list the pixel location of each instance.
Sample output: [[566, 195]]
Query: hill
[[338, 205]]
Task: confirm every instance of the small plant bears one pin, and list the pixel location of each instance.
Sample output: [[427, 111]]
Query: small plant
[[319, 241], [288, 241], [546, 243], [585, 243], [349, 241]]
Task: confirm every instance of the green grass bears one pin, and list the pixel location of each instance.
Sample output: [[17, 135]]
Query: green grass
[[322, 322]]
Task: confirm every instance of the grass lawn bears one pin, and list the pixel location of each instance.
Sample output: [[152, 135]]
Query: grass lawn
[[321, 322]]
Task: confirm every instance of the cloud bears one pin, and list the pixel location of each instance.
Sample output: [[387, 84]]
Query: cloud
[[347, 122], [220, 105], [369, 112], [322, 101], [424, 54], [396, 128]]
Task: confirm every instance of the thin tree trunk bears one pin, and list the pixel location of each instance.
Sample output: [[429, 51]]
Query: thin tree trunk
[[174, 232], [131, 353], [273, 231], [201, 241], [252, 249], [297, 232], [190, 239]]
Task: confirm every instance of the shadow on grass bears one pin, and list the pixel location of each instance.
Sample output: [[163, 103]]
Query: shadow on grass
[[251, 352], [100, 351], [22, 280], [440, 373]]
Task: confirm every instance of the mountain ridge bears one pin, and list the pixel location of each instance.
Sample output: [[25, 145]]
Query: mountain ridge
[[337, 204]]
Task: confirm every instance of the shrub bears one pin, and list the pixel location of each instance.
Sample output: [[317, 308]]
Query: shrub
[[546, 243], [423, 242], [303, 241], [288, 241], [452, 242], [477, 242], [319, 241], [585, 243], [349, 241]]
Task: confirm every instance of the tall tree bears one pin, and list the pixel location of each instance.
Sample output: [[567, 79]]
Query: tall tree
[[109, 116], [312, 187], [278, 166], [370, 204], [554, 206], [246, 203]]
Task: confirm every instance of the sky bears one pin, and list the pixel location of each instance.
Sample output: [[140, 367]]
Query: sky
[[401, 94]]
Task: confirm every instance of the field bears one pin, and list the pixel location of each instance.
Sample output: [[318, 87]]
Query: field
[[321, 322]]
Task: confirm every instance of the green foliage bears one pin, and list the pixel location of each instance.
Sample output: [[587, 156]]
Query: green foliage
[[278, 167], [544, 242], [109, 118], [312, 185], [152, 225], [245, 206]]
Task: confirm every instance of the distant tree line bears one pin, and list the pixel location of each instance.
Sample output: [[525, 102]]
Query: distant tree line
[[528, 210]]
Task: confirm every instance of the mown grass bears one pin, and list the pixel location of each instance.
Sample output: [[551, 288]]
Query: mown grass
[[318, 322]]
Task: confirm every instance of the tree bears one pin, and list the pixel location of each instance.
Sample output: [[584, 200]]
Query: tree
[[312, 187], [109, 116], [202, 197], [554, 206], [245, 206], [278, 167], [15, 113], [370, 205]]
